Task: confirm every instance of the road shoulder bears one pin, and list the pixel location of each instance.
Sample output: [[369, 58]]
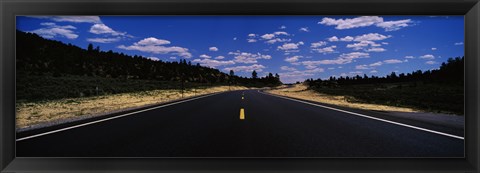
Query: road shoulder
[[445, 123]]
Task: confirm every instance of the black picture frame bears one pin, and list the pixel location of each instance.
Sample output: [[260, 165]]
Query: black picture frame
[[9, 9]]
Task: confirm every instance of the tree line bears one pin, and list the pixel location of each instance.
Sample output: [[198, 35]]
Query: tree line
[[39, 56], [450, 72]]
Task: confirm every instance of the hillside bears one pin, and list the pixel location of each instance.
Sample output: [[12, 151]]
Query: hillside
[[48, 69]]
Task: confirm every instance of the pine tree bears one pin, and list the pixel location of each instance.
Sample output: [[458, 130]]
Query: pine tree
[[90, 47]]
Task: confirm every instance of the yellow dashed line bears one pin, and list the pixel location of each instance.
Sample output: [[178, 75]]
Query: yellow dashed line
[[242, 114]]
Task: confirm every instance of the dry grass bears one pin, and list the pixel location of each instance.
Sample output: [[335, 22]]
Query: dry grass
[[34, 114], [300, 91]]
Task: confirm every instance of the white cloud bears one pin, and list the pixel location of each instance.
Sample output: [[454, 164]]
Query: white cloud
[[347, 38], [256, 67], [310, 67], [362, 67], [342, 59], [392, 61], [282, 27], [150, 41], [354, 55], [205, 56], [362, 45], [280, 33], [50, 24], [314, 70], [272, 41], [434, 48], [376, 49], [318, 44], [214, 49], [286, 68], [234, 38], [409, 57], [356, 72], [290, 46], [293, 59], [273, 35], [153, 58], [103, 40], [364, 21], [332, 39], [325, 50], [430, 62], [394, 25], [374, 71], [212, 63], [172, 57], [252, 35], [304, 29], [156, 46], [385, 43], [379, 63], [366, 42], [371, 37], [248, 58], [100, 28], [458, 44], [220, 57], [251, 40], [267, 36], [52, 30], [73, 19], [351, 23], [428, 56], [296, 75]]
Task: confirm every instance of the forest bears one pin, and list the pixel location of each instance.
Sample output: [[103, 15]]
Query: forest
[[450, 72], [44, 66]]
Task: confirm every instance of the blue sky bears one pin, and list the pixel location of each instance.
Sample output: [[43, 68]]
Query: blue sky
[[295, 47]]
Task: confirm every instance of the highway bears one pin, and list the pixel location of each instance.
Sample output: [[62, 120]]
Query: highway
[[246, 123]]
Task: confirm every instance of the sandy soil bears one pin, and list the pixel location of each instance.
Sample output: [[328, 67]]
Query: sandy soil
[[36, 114], [300, 91]]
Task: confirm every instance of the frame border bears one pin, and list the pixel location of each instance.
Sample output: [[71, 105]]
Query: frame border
[[9, 9]]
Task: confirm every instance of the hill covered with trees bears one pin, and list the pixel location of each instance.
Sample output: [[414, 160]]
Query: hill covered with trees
[[43, 66]]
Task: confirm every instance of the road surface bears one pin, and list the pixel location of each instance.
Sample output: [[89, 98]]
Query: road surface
[[273, 126]]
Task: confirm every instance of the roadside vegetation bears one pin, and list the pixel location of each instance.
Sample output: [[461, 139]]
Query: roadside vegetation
[[440, 90]]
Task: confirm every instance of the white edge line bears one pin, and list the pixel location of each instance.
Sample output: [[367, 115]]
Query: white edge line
[[110, 118], [366, 116]]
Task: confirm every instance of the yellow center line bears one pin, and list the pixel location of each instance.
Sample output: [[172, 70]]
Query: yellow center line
[[242, 97], [242, 114]]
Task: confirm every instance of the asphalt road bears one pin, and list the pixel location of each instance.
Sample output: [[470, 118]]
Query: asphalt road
[[273, 127]]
